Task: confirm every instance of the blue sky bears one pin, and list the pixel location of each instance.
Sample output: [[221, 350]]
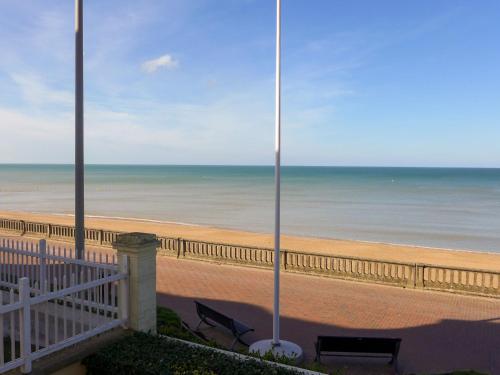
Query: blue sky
[[192, 82]]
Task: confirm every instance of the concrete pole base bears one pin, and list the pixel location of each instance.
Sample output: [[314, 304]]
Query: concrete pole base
[[284, 349]]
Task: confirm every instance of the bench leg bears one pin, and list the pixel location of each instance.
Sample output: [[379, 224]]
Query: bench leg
[[233, 343], [238, 339], [241, 341], [395, 365], [203, 321], [317, 358]]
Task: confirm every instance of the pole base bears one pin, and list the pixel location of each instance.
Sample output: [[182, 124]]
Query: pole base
[[285, 349]]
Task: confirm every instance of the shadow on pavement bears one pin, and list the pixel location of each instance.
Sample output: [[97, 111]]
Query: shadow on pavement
[[445, 346]]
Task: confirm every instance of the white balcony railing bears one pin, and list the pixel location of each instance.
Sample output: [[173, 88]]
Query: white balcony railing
[[50, 300]]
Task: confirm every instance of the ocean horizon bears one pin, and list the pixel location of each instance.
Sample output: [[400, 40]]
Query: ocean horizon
[[454, 208]]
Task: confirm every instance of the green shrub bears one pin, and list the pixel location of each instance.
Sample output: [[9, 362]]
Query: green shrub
[[270, 356], [465, 372], [143, 353], [167, 317], [7, 349], [462, 372], [319, 367], [168, 323], [313, 366]]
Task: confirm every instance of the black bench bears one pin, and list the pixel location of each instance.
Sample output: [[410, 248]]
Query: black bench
[[358, 347], [209, 316]]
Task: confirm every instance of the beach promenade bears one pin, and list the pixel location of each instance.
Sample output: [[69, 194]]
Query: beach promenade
[[440, 331], [474, 273], [373, 250]]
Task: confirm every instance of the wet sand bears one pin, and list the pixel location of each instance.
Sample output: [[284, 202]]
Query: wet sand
[[380, 251]]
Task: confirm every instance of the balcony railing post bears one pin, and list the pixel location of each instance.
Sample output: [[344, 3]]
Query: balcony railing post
[[42, 248], [25, 324]]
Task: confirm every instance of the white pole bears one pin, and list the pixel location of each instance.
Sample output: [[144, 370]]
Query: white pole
[[79, 158], [277, 150], [281, 348]]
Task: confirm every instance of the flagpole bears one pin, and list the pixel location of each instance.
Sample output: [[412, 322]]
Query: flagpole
[[276, 346], [79, 155], [277, 177]]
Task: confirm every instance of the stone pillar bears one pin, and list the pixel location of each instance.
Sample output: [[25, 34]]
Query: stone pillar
[[419, 276], [140, 251], [23, 227], [179, 246]]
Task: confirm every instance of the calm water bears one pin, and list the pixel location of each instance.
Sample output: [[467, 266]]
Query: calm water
[[441, 207]]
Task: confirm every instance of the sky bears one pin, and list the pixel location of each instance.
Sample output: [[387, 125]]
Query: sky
[[389, 83]]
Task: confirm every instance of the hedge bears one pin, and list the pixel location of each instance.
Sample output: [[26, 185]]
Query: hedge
[[147, 354]]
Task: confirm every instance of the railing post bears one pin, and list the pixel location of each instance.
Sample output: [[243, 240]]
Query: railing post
[[22, 225], [179, 246], [419, 275], [412, 269], [140, 248], [42, 248], [25, 324], [49, 230], [101, 236]]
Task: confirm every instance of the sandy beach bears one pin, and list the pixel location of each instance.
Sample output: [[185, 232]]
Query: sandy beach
[[381, 251]]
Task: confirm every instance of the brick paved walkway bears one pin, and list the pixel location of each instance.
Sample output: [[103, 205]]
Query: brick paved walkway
[[440, 331]]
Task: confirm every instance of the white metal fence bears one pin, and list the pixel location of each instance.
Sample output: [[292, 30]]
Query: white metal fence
[[50, 300]]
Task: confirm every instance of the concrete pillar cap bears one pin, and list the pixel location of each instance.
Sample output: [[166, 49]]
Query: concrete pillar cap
[[135, 240]]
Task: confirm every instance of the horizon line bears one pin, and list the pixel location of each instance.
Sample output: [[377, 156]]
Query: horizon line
[[251, 165]]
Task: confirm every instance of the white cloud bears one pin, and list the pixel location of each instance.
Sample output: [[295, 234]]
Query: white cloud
[[34, 137], [218, 132], [165, 61], [36, 92], [235, 129]]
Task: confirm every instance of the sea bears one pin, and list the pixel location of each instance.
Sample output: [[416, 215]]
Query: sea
[[453, 208]]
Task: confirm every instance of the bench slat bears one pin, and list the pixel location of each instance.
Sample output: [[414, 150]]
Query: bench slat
[[373, 345], [237, 328], [241, 328], [213, 315], [358, 347]]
